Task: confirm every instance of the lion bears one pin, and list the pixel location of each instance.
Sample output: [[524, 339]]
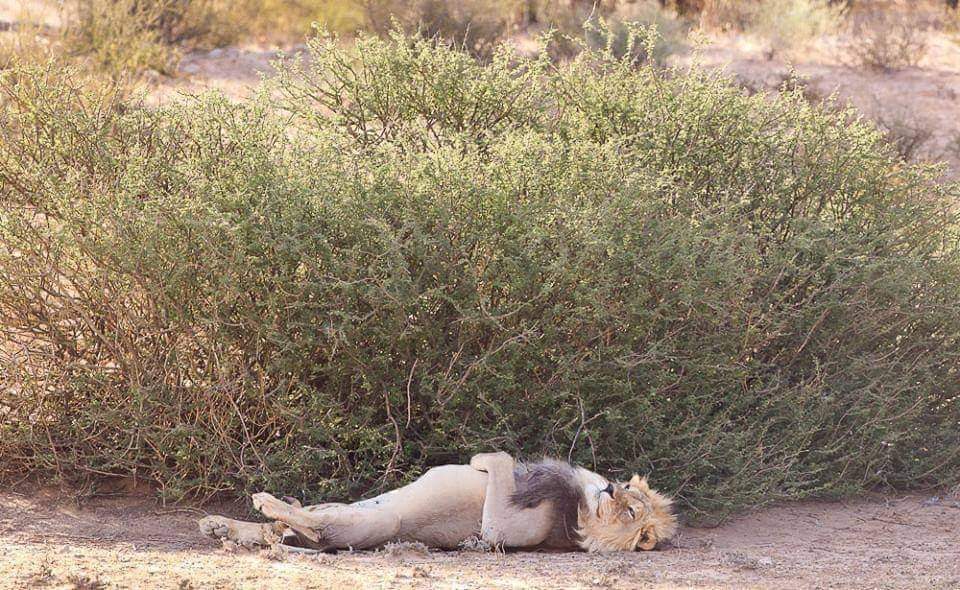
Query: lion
[[549, 505]]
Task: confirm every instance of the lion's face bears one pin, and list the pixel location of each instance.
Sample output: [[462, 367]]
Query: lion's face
[[632, 517]]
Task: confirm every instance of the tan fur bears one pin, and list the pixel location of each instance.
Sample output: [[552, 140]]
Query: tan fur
[[454, 502], [635, 517]]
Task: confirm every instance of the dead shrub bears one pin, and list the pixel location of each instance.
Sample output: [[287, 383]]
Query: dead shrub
[[887, 40], [725, 15], [909, 135], [476, 25], [953, 147], [84, 582]]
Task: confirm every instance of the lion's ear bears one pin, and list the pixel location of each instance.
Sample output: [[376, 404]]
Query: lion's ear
[[648, 541], [639, 483]]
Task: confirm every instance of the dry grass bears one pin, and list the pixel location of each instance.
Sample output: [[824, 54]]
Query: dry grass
[[123, 36], [782, 26], [25, 39], [787, 26], [28, 44], [136, 35], [278, 20]]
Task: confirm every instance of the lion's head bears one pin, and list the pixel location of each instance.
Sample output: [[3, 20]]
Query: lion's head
[[628, 516]]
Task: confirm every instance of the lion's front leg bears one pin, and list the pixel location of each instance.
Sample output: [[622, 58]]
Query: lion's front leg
[[505, 524], [244, 534]]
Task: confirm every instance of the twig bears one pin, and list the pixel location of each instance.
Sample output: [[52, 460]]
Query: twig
[[816, 325], [410, 380], [583, 423], [397, 440]]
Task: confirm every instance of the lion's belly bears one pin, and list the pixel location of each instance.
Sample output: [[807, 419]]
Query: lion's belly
[[440, 509]]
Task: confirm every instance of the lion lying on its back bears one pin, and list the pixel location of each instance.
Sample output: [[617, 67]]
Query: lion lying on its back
[[546, 505]]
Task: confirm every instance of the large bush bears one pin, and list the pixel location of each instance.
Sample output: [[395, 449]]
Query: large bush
[[420, 256]]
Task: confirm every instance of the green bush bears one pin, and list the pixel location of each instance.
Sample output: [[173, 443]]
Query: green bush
[[420, 256]]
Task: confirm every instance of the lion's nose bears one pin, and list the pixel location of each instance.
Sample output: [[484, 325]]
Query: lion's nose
[[609, 489]]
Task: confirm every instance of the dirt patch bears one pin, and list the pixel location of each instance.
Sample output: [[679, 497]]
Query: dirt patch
[[48, 541], [235, 71]]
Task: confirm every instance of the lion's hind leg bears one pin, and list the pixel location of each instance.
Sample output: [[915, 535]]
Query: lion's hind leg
[[332, 526]]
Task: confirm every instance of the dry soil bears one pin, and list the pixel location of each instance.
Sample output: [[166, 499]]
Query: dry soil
[[48, 540]]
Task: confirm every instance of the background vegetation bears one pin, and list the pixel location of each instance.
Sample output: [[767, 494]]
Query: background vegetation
[[124, 37], [399, 255]]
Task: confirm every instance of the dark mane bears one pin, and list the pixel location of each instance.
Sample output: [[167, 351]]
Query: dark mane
[[555, 482]]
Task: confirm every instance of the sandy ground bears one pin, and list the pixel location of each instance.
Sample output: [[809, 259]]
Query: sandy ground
[[48, 541]]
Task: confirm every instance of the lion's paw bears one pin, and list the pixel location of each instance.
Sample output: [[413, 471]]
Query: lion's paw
[[490, 461], [233, 533], [215, 527], [268, 505]]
